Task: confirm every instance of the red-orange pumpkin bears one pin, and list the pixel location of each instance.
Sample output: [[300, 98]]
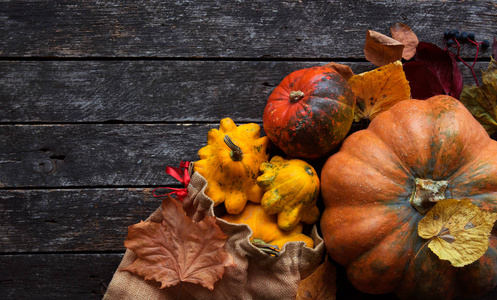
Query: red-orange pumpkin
[[369, 224], [310, 112]]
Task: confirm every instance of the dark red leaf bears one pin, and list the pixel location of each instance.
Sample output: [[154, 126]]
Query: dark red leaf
[[457, 82], [423, 82], [443, 65]]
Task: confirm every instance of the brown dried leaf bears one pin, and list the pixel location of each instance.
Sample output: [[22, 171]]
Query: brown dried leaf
[[178, 249], [403, 33], [457, 231], [381, 49], [344, 70], [321, 285]]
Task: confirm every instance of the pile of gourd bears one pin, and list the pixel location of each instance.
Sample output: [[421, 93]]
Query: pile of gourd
[[375, 186]]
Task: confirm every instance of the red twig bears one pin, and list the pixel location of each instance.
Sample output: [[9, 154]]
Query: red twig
[[472, 67]]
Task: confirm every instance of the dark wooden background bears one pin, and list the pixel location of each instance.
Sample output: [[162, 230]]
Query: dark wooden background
[[98, 97]]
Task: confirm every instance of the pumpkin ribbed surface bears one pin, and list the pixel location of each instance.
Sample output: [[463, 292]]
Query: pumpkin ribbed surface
[[373, 191]]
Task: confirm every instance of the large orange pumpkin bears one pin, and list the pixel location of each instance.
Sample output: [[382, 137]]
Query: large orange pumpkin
[[310, 112], [376, 190]]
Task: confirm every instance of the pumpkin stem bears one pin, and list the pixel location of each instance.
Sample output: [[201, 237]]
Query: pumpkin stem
[[426, 193], [236, 152], [295, 96]]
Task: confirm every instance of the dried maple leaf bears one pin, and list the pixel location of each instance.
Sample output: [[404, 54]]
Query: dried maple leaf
[[482, 101], [403, 33], [344, 70], [378, 90], [381, 49], [457, 230], [320, 285], [178, 249]]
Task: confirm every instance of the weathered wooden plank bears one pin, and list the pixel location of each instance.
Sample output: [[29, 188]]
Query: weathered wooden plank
[[96, 155], [207, 28], [83, 276], [86, 276], [145, 91], [56, 276], [71, 220]]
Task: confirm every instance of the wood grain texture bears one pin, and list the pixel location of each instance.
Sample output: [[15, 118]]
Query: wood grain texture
[[96, 155], [56, 276], [146, 91], [100, 155], [222, 29], [84, 276], [72, 220]]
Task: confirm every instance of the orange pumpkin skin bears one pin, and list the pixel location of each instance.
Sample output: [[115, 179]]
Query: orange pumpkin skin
[[310, 112], [370, 226]]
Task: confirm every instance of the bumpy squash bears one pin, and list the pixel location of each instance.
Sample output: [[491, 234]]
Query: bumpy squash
[[230, 164], [291, 191], [265, 227], [310, 112], [384, 179]]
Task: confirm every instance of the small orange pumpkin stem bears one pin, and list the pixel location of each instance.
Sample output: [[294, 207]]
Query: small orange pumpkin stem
[[236, 152], [295, 96]]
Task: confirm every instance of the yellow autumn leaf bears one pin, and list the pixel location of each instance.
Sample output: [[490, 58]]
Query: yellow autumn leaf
[[378, 90], [457, 231]]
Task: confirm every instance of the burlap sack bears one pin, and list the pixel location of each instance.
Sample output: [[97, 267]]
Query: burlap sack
[[257, 275]]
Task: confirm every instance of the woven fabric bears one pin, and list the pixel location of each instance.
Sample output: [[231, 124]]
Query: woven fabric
[[257, 275]]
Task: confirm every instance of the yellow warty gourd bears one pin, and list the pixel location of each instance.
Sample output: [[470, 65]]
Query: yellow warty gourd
[[230, 164], [291, 191]]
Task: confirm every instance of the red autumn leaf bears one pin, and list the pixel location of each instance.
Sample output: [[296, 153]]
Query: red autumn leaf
[[320, 285], [178, 249], [443, 65], [381, 49], [403, 33], [423, 82]]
